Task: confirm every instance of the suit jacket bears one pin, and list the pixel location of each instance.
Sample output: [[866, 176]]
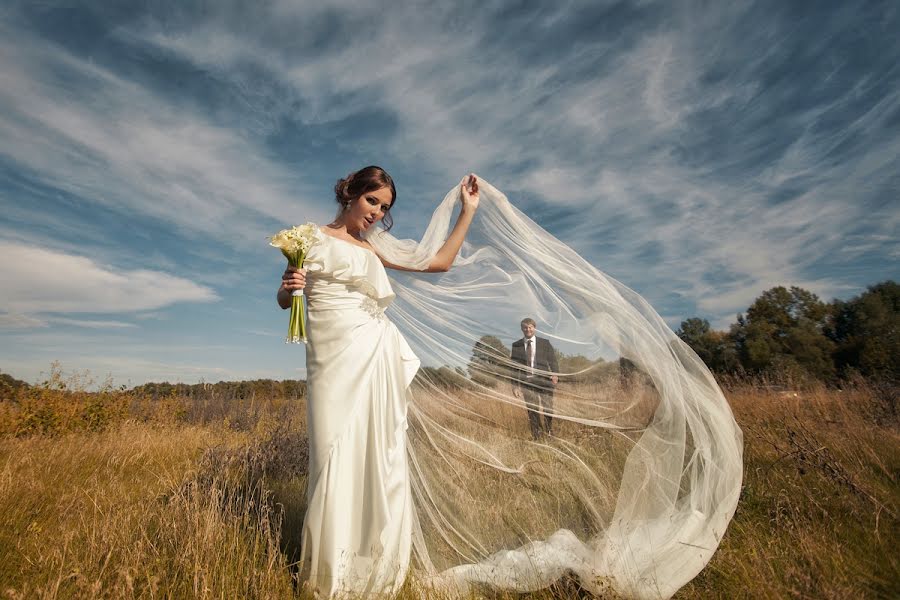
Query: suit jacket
[[544, 360]]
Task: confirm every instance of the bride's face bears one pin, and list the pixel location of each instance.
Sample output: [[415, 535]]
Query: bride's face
[[369, 208]]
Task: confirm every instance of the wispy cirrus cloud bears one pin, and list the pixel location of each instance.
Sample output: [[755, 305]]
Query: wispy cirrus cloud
[[78, 127], [93, 324], [661, 130], [17, 320]]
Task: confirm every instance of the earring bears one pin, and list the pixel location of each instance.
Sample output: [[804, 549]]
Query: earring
[[346, 206]]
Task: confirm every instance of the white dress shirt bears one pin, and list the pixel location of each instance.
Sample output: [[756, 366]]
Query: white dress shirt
[[530, 359]]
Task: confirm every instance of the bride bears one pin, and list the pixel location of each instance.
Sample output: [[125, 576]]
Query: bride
[[433, 471]]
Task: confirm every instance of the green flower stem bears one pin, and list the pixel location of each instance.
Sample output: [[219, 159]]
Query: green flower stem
[[297, 324]]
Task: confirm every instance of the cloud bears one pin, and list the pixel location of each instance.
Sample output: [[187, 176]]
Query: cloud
[[93, 324], [116, 143], [619, 118], [13, 320], [41, 281]]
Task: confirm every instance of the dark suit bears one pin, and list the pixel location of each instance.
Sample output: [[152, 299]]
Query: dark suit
[[536, 385]]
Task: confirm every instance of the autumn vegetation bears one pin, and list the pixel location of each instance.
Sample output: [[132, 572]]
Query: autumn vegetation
[[198, 491]]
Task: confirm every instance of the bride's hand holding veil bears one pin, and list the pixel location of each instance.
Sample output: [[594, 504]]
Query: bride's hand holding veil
[[409, 256], [468, 188]]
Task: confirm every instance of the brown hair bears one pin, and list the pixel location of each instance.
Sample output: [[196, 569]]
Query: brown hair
[[528, 320], [368, 179]]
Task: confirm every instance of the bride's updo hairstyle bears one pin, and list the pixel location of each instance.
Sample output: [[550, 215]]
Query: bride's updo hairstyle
[[368, 179]]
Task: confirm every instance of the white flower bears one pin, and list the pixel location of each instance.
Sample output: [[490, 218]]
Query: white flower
[[297, 239]]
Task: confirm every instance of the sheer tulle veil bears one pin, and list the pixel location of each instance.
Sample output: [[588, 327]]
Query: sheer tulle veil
[[634, 490]]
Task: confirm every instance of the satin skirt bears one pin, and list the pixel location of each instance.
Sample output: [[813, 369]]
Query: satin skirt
[[356, 535]]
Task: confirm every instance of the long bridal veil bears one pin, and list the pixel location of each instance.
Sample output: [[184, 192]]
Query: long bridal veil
[[632, 492]]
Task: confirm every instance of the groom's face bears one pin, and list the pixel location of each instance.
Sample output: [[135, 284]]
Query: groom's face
[[528, 329]]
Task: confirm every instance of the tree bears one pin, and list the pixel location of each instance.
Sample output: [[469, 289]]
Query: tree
[[575, 368], [443, 378], [785, 329], [866, 330], [9, 386], [490, 361], [695, 332], [715, 348]]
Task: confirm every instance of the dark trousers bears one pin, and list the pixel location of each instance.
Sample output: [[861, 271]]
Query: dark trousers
[[538, 401]]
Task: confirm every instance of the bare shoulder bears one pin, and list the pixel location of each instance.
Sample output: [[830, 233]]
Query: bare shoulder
[[368, 246], [388, 264]]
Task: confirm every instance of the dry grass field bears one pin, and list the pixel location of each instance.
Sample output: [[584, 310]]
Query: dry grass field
[[110, 495]]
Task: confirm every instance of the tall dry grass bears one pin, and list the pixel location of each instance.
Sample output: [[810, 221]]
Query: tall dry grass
[[818, 514], [123, 514], [151, 504]]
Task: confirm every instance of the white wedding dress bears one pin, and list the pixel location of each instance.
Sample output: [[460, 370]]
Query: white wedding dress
[[442, 480], [357, 530]]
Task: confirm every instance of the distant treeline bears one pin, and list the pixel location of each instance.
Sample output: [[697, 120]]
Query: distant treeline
[[792, 331], [490, 364], [288, 389], [784, 332]]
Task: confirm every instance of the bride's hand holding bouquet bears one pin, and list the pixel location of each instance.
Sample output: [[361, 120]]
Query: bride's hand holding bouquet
[[294, 243]]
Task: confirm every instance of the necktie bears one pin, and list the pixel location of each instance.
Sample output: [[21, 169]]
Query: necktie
[[529, 356]]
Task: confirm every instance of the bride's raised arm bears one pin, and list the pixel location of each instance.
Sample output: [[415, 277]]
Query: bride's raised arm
[[444, 257]]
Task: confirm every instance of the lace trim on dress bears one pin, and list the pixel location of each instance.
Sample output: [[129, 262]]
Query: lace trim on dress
[[371, 306]]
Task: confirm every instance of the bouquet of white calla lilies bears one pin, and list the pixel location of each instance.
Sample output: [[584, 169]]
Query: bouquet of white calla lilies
[[294, 243]]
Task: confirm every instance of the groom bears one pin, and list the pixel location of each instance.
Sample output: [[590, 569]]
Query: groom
[[536, 377]]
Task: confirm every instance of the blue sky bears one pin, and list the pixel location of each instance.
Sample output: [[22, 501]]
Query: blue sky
[[699, 153]]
